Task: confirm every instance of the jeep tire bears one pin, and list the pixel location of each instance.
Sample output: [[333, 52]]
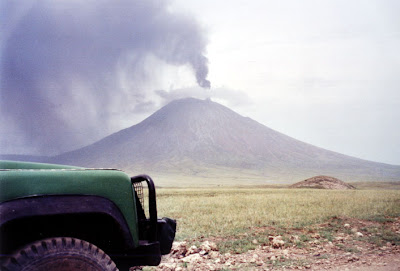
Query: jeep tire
[[60, 254]]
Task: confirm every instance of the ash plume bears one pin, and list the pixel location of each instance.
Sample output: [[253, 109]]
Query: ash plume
[[68, 68]]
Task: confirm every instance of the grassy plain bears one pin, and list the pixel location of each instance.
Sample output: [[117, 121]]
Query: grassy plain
[[231, 212]]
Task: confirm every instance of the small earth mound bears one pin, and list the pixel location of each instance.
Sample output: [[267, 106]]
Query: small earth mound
[[323, 182]]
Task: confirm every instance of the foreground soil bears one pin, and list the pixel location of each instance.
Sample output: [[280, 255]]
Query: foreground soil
[[339, 244]]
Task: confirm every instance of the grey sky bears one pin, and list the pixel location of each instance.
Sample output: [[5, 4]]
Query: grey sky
[[325, 72], [71, 70]]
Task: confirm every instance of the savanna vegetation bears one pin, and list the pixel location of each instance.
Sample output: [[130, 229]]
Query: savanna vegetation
[[265, 228], [230, 212]]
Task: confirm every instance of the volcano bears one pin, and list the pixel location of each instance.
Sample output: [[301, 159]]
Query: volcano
[[195, 139]]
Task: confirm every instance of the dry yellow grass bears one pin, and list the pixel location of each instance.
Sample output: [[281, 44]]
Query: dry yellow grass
[[227, 211]]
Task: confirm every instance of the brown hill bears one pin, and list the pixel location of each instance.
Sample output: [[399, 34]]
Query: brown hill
[[323, 182]]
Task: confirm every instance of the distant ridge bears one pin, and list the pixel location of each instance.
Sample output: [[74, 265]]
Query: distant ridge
[[26, 158], [200, 139]]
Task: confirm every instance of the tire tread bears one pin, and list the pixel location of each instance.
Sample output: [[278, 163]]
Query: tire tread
[[51, 248]]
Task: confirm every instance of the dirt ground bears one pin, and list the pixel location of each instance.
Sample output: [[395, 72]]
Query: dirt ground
[[340, 244]]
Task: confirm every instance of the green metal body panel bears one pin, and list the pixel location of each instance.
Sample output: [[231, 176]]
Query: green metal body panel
[[4, 164], [18, 180]]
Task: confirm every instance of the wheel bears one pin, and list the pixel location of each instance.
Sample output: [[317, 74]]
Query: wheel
[[60, 254]]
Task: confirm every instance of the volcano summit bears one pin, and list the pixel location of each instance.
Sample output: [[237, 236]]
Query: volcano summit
[[191, 138]]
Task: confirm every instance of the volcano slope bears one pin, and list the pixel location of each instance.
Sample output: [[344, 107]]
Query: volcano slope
[[200, 139]]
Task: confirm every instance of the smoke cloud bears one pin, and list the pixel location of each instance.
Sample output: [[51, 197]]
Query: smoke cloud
[[69, 68]]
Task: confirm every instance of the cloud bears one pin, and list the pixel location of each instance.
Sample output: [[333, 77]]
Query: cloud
[[227, 96], [70, 68]]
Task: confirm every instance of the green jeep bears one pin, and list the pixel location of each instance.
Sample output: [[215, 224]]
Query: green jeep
[[55, 217]]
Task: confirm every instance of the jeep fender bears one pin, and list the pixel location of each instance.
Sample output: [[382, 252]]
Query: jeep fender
[[82, 216]]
